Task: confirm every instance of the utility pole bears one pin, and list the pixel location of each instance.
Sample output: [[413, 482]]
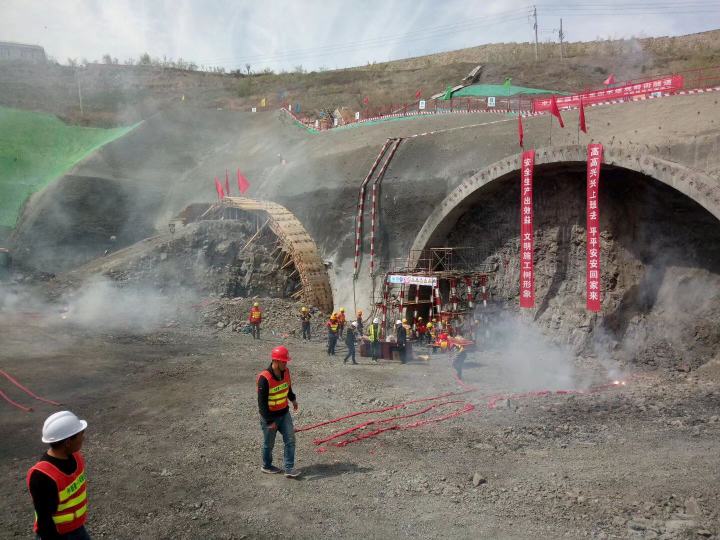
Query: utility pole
[[77, 80], [535, 27], [562, 36]]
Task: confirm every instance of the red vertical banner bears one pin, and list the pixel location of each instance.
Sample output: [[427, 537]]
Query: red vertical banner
[[594, 162], [527, 273]]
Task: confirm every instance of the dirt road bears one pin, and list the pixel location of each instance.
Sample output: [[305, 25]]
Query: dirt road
[[173, 446]]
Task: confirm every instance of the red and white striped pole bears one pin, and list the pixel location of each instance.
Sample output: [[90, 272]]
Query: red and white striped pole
[[373, 215], [470, 298], [453, 294], [437, 300], [361, 209], [417, 303], [386, 294], [402, 300]]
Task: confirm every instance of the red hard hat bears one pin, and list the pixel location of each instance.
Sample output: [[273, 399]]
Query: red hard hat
[[280, 354]]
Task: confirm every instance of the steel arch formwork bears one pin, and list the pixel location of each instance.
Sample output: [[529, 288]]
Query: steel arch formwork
[[294, 240]]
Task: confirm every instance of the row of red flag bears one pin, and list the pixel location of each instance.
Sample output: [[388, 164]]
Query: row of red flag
[[527, 248], [555, 111], [242, 183]]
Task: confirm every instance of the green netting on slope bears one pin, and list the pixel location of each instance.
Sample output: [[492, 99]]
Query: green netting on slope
[[36, 149], [500, 90]]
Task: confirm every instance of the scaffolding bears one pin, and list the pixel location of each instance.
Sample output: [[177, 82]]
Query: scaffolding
[[446, 284]]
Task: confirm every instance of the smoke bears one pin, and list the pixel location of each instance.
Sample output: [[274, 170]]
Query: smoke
[[102, 305], [519, 357]]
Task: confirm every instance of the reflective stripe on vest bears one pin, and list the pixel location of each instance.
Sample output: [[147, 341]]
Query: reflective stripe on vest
[[72, 494], [256, 314], [371, 333], [333, 327], [278, 390]]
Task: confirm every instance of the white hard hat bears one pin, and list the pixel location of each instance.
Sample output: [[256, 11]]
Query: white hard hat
[[398, 321], [60, 426], [376, 320], [354, 323]]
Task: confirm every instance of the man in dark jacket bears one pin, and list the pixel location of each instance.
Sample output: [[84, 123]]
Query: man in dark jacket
[[274, 392], [401, 340], [305, 322], [350, 337]]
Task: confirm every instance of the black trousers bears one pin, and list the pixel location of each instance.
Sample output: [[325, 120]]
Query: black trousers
[[306, 330], [350, 353], [332, 342], [255, 331]]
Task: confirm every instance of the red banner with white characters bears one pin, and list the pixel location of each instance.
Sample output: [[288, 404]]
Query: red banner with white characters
[[672, 83], [594, 162], [527, 273]]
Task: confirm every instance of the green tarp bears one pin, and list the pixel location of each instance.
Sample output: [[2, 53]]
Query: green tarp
[[36, 149], [500, 90]]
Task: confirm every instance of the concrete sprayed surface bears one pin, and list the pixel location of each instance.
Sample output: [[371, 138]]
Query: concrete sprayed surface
[[173, 446]]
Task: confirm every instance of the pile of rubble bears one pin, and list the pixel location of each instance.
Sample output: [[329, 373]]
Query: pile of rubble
[[280, 317]]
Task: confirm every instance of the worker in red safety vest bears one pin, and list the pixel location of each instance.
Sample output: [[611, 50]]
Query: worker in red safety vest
[[274, 392], [58, 483], [420, 329], [442, 342], [255, 319], [333, 327]]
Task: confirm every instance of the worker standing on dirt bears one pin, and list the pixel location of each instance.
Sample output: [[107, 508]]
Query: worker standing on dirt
[[274, 392], [255, 319], [459, 360], [305, 322], [374, 337], [332, 326], [408, 328], [420, 329], [359, 322], [57, 482], [350, 337], [341, 322], [401, 340]]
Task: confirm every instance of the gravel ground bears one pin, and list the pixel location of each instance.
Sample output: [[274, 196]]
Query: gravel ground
[[173, 446]]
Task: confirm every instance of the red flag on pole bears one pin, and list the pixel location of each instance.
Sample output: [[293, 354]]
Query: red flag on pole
[[610, 80], [366, 100], [527, 272], [520, 130], [583, 126], [418, 94], [593, 281], [227, 183], [242, 182], [219, 188], [556, 112]]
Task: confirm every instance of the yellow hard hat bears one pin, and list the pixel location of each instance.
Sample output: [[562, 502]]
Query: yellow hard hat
[[303, 309], [404, 320], [256, 304], [333, 316], [429, 325], [342, 310], [443, 344]]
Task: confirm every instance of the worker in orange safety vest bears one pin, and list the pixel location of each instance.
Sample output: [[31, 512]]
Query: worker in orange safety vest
[[341, 319], [274, 392], [255, 319], [333, 327], [58, 483]]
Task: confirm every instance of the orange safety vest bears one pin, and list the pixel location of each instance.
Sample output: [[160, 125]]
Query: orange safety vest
[[277, 396], [71, 512], [255, 316], [341, 318]]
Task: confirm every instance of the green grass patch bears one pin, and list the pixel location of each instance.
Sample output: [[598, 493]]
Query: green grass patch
[[37, 148]]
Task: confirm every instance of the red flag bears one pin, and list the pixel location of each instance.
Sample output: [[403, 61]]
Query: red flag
[[583, 126], [418, 94], [366, 100], [610, 80], [242, 182], [556, 112], [227, 183], [520, 130], [219, 188]]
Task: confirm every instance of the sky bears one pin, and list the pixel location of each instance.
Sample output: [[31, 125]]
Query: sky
[[330, 34]]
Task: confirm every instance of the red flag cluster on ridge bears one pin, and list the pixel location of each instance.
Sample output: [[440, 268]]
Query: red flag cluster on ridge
[[610, 80], [219, 188], [242, 182], [418, 94]]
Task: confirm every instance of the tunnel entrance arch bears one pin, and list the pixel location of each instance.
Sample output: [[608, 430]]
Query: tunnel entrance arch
[[696, 185]]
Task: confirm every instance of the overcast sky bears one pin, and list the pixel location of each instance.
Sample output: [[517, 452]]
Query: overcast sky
[[282, 34]]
